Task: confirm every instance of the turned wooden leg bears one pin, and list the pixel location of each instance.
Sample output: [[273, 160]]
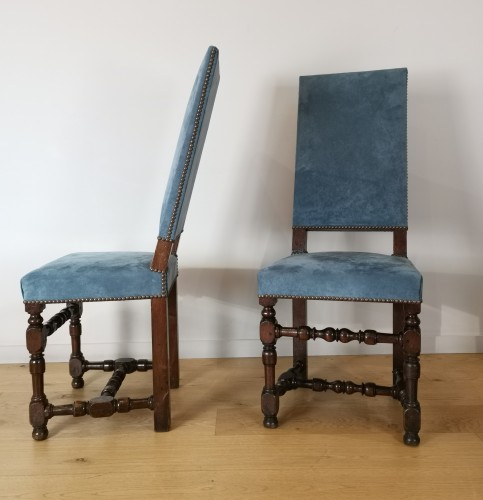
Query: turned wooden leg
[[299, 315], [36, 342], [397, 359], [173, 337], [159, 322], [269, 357], [76, 361], [411, 371]]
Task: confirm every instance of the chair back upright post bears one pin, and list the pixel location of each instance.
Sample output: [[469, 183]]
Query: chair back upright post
[[400, 242], [173, 214], [299, 308]]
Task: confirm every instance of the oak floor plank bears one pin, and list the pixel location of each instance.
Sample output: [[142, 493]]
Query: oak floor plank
[[327, 445]]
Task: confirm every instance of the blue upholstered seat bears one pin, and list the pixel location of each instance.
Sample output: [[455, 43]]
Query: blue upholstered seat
[[342, 276], [95, 276]]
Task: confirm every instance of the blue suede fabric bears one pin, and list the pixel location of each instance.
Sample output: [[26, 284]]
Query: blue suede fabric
[[351, 160], [93, 276], [342, 276], [190, 145]]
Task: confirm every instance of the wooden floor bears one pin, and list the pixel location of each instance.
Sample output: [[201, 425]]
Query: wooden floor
[[327, 446]]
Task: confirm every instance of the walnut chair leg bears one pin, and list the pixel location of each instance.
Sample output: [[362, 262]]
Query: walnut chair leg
[[76, 361], [397, 359], [299, 315], [159, 322], [411, 372], [36, 341], [173, 337], [270, 398]]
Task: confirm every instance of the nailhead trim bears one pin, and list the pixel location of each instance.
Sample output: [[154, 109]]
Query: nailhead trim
[[193, 139], [407, 148], [361, 228], [100, 299], [164, 278], [347, 299], [162, 238], [164, 287]]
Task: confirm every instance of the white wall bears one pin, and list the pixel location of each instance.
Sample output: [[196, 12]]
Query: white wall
[[91, 99]]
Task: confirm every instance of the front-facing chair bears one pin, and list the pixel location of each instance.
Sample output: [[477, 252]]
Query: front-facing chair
[[107, 276], [350, 175]]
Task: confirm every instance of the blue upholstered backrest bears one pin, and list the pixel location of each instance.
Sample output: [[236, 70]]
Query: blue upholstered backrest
[[190, 145], [351, 166]]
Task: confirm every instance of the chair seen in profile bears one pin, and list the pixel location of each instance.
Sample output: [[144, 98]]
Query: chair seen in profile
[[112, 276], [350, 175]]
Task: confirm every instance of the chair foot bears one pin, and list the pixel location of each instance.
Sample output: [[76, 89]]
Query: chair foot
[[270, 422], [270, 402], [40, 433], [411, 439], [77, 383], [162, 414], [162, 425]]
